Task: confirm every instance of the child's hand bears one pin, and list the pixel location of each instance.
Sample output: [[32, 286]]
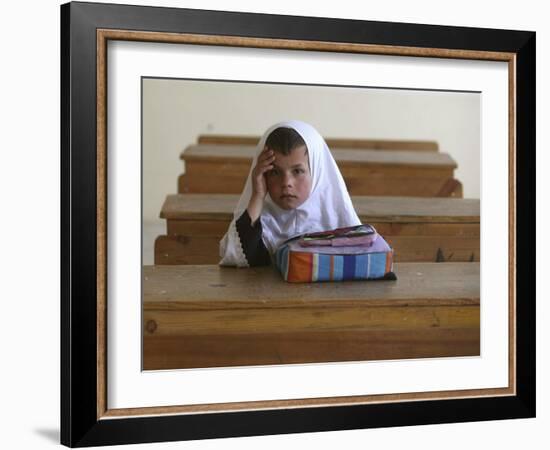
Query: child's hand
[[263, 165]]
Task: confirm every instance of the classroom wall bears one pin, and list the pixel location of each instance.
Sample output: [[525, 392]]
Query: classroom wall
[[175, 112]]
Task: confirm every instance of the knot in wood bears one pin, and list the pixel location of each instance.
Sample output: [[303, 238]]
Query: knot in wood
[[151, 326]]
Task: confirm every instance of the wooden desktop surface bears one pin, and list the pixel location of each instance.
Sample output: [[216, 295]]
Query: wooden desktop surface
[[212, 316]]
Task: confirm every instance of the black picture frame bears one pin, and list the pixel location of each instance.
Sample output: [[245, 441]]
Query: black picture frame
[[81, 423]]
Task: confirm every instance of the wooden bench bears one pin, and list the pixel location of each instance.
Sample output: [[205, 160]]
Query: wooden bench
[[366, 144], [224, 168], [419, 229], [211, 316]]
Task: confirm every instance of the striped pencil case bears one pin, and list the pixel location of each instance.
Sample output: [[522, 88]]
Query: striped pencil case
[[304, 263]]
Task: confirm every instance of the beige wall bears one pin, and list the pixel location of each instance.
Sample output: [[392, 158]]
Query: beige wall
[[175, 112]]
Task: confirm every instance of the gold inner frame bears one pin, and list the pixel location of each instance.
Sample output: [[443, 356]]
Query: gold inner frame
[[103, 36]]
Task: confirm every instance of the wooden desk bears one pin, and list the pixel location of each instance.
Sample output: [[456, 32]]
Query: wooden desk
[[224, 168], [419, 229], [365, 144], [211, 316]]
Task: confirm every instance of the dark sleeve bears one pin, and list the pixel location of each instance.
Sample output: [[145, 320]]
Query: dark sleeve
[[251, 241]]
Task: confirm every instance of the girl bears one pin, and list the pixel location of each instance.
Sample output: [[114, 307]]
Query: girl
[[294, 187]]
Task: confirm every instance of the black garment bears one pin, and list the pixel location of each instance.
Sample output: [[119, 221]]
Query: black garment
[[251, 241]]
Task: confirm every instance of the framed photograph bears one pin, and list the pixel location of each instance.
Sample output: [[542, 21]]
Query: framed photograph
[[163, 111]]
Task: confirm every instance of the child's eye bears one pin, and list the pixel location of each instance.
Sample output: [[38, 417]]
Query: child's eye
[[298, 170]]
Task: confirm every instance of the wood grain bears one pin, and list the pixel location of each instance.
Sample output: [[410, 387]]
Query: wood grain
[[392, 209], [253, 320], [193, 249], [210, 316], [419, 229], [192, 287], [130, 35], [340, 47], [216, 228], [371, 182], [310, 402], [512, 210], [353, 143], [222, 350], [365, 172], [101, 224], [244, 153]]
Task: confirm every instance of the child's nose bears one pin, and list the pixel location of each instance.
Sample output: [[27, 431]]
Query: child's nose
[[286, 180]]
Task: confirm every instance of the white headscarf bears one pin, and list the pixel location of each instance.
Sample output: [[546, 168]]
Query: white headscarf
[[327, 207]]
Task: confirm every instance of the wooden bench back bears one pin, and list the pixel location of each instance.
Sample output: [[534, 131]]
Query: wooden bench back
[[419, 229], [366, 172], [364, 144]]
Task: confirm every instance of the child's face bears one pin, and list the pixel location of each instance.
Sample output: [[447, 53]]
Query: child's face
[[289, 182]]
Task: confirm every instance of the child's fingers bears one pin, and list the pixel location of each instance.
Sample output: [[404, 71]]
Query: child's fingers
[[266, 168], [261, 170], [264, 161], [267, 160], [266, 155]]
